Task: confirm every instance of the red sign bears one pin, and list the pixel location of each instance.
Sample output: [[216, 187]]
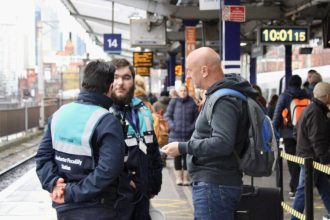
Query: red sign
[[234, 13], [190, 39]]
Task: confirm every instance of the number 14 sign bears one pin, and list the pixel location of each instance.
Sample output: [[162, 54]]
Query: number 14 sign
[[112, 43]]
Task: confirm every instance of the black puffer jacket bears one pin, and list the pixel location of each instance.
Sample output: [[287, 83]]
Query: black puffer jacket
[[181, 115], [313, 133]]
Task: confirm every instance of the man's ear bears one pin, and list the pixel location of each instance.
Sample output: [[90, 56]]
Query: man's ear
[[109, 90], [205, 72]]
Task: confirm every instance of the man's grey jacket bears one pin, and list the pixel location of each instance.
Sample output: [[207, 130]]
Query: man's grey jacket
[[211, 149]]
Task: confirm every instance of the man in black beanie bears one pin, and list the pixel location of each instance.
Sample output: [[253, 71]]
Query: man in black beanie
[[285, 126]]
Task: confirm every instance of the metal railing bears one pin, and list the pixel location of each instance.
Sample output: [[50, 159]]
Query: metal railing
[[309, 165], [13, 121]]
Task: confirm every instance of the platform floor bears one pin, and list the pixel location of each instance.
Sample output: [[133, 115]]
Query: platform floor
[[25, 200]]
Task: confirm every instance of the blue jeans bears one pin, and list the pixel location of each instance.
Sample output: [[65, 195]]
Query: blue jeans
[[214, 202], [322, 184]]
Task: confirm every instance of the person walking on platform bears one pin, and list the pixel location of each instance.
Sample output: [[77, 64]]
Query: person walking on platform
[[272, 105], [181, 115], [80, 159], [313, 77], [212, 149], [284, 125], [160, 107], [313, 142], [143, 162]]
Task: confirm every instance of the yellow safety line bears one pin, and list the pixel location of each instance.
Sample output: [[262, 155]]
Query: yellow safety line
[[321, 167], [292, 211], [292, 158]]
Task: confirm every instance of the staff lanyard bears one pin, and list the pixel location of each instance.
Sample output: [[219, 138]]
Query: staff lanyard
[[134, 119]]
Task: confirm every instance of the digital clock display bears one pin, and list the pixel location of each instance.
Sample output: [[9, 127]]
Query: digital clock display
[[284, 35]]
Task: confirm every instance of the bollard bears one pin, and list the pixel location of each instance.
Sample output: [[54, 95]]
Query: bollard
[[308, 163], [279, 172], [279, 177]]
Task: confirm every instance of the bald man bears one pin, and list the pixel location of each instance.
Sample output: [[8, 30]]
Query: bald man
[[212, 149]]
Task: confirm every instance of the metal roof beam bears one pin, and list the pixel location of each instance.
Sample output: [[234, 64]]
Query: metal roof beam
[[70, 6], [190, 12], [101, 35], [107, 22], [184, 12]]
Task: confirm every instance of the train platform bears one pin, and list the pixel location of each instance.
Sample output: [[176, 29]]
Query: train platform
[[25, 199]]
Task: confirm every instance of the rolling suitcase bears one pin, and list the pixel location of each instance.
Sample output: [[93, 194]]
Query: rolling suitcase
[[259, 203]]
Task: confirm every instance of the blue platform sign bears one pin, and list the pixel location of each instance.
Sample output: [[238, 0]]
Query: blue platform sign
[[112, 43]]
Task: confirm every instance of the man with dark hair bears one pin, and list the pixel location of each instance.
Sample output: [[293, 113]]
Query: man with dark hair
[[143, 157], [80, 159], [286, 130]]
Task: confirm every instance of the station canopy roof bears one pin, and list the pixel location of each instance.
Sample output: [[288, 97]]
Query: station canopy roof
[[102, 16]]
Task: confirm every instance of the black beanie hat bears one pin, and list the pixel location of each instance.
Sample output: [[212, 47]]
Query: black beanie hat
[[295, 81]]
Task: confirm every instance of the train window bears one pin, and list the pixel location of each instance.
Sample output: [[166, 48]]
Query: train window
[[265, 93], [274, 91]]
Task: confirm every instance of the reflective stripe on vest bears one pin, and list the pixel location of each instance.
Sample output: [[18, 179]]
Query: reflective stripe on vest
[[72, 127]]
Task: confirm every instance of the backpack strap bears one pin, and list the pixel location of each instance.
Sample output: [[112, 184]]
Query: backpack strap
[[217, 95], [214, 98]]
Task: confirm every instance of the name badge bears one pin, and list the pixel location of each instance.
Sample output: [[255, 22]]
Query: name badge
[[148, 138], [130, 142]]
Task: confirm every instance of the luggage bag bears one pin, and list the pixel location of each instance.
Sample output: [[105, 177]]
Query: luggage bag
[[259, 203]]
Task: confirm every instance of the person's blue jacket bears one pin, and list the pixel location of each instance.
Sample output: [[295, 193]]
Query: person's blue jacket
[[284, 102], [144, 165], [103, 183]]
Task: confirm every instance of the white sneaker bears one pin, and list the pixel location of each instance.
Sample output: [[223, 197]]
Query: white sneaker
[[291, 195]]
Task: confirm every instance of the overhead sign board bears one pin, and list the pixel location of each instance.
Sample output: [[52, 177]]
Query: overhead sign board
[[283, 35], [234, 13], [326, 32], [112, 43], [143, 71], [144, 33], [143, 59], [209, 5]]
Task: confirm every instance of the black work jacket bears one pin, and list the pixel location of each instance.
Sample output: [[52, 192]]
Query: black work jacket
[[313, 133]]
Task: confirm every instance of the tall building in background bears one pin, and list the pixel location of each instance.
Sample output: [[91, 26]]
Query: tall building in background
[[16, 50]]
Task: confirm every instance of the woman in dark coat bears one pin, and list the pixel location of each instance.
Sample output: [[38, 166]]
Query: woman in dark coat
[[181, 115]]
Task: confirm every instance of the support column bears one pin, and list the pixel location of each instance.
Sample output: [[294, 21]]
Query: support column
[[41, 83], [230, 36], [253, 64], [183, 61], [167, 79], [171, 73], [288, 64]]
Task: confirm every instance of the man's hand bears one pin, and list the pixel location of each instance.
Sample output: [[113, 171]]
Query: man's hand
[[132, 184], [171, 149], [57, 194]]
